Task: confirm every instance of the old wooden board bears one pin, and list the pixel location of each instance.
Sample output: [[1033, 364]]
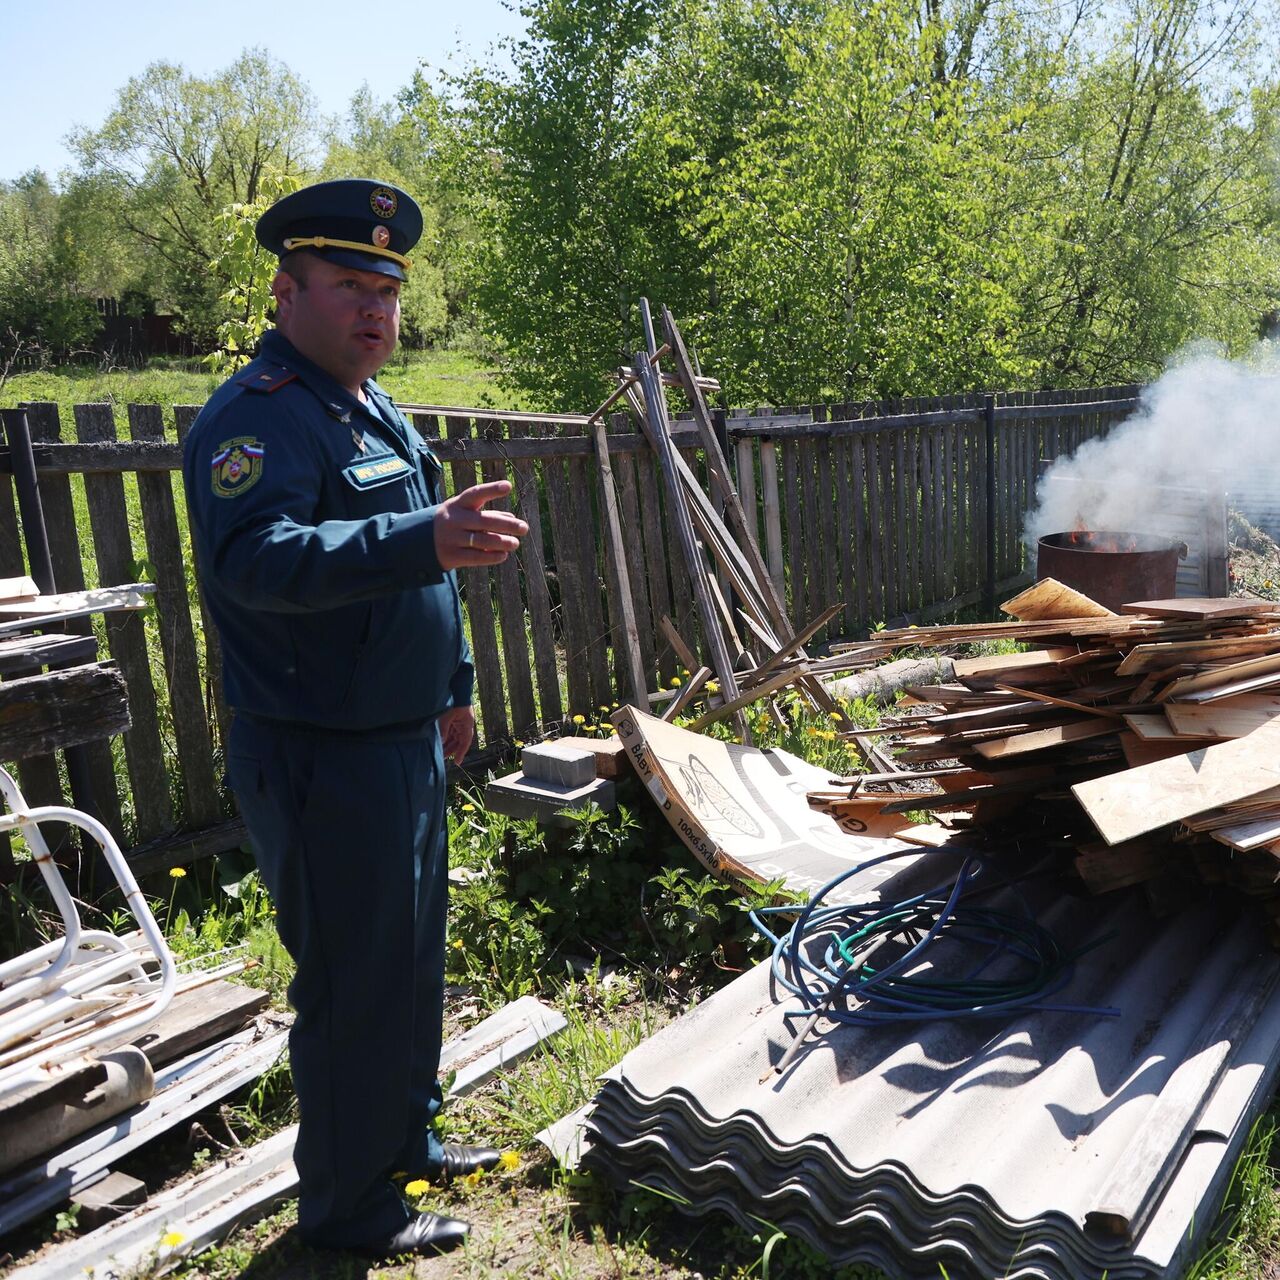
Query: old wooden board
[[475, 586], [1136, 801], [1045, 739], [126, 632], [1229, 719], [743, 812], [1153, 727], [1156, 657], [177, 637], [1230, 674], [44, 713], [1200, 607]]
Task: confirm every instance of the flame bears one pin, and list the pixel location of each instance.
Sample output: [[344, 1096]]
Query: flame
[[1100, 540]]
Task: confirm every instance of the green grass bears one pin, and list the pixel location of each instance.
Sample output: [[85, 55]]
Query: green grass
[[420, 377]]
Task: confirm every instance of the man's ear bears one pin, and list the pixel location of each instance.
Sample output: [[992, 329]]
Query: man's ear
[[284, 289]]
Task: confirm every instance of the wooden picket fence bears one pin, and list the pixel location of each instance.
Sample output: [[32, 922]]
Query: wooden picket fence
[[883, 507]]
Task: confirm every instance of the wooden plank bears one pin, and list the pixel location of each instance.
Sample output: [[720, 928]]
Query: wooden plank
[[1236, 688], [878, 538], [527, 505], [1202, 607], [1155, 728], [1229, 673], [58, 709], [772, 515], [581, 472], [126, 632], [1139, 800], [177, 638], [624, 474], [1247, 836], [901, 554], [477, 597], [792, 500], [656, 559], [511, 616], [195, 1018], [626, 638], [832, 546], [745, 470], [950, 514], [1230, 719], [184, 415], [860, 552], [1045, 739], [1157, 657], [847, 548], [995, 664], [20, 588]]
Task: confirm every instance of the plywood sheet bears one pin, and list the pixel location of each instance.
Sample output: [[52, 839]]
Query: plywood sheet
[[1050, 598], [1045, 739], [1201, 607], [1129, 804]]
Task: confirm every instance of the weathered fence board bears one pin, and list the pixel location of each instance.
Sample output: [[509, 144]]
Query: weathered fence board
[[177, 637], [126, 632], [882, 506]]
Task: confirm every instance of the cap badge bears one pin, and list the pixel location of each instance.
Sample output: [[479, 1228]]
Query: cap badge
[[383, 201], [381, 237]]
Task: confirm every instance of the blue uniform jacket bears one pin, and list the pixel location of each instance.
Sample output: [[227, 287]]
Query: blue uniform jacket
[[312, 515]]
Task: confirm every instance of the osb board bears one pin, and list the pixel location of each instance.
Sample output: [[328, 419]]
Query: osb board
[[1131, 803], [744, 813]]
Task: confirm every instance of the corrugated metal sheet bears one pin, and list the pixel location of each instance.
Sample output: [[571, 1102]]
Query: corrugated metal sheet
[[994, 1148], [1257, 497]]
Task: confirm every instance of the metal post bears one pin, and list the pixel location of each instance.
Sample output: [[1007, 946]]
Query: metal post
[[989, 415]]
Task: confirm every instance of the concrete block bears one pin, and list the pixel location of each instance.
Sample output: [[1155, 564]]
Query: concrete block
[[559, 763], [108, 1199], [521, 797], [611, 756]]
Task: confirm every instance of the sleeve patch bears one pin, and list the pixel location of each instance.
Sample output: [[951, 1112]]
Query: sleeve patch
[[237, 465], [267, 380]]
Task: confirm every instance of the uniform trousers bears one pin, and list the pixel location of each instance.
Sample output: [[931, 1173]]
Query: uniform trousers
[[349, 833]]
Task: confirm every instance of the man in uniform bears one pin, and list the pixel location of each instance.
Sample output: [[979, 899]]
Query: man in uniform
[[326, 556]]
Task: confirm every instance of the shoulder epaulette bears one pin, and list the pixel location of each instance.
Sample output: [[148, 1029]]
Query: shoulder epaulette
[[267, 380]]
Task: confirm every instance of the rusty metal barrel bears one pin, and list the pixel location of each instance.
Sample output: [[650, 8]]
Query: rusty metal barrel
[[1110, 567]]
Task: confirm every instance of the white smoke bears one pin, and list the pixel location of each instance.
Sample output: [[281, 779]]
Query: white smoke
[[1206, 423]]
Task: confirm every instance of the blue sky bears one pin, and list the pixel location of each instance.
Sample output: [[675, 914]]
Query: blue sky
[[64, 60]]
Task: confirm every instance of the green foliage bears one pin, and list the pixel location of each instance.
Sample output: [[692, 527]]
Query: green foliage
[[177, 149], [247, 269], [859, 201], [42, 310]]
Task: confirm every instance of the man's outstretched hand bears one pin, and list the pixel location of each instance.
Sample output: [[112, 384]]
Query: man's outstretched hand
[[469, 536]]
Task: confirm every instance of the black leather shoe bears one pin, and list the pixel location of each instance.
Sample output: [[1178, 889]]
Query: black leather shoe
[[458, 1161], [428, 1234]]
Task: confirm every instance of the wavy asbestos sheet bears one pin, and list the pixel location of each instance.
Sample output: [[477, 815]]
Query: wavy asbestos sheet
[[1014, 1147]]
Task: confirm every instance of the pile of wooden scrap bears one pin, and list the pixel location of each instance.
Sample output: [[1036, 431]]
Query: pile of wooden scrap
[[755, 654], [1157, 729]]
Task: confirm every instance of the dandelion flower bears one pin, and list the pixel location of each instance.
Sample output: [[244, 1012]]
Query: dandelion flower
[[676, 682], [177, 873], [836, 716], [579, 719], [518, 743], [613, 706], [418, 1187], [713, 686], [457, 944], [603, 707], [171, 1239], [685, 670], [468, 808], [473, 1179], [591, 728], [509, 1160], [812, 731]]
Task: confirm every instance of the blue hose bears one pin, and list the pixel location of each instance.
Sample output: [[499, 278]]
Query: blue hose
[[849, 989]]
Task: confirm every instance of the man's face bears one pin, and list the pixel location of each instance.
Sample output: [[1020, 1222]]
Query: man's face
[[346, 321]]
